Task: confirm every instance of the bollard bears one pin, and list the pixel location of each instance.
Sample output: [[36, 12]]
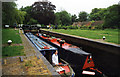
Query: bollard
[[9, 42], [103, 37]]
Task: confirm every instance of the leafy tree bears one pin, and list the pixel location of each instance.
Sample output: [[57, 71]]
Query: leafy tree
[[112, 18], [63, 18], [20, 16], [27, 9], [95, 10], [102, 13], [57, 19], [74, 18], [11, 15], [8, 13], [98, 14], [32, 21], [82, 16], [43, 12], [95, 17], [28, 15]]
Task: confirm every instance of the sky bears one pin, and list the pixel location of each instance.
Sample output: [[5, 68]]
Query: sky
[[72, 6]]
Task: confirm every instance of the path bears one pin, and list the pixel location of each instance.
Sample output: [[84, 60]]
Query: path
[[31, 64]]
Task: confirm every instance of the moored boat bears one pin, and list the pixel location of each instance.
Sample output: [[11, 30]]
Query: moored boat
[[80, 61], [64, 69]]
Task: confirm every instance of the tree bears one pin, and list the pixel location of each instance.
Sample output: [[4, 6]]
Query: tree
[[102, 13], [32, 21], [98, 14], [57, 19], [95, 17], [43, 12], [112, 18], [20, 16], [8, 13], [63, 18], [82, 16], [11, 15], [28, 15], [27, 9], [74, 18]]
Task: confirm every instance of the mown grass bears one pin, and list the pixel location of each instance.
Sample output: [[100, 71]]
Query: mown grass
[[9, 51], [11, 34], [110, 34]]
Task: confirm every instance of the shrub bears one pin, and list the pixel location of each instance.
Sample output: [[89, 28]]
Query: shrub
[[59, 27], [99, 26], [84, 27], [72, 27]]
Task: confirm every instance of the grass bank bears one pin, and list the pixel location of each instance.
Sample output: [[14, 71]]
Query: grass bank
[[11, 34], [110, 34], [15, 49], [9, 51]]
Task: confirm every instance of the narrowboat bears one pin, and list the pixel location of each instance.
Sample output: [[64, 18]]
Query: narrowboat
[[81, 61], [47, 50]]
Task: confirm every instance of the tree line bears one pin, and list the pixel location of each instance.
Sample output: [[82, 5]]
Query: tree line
[[43, 12]]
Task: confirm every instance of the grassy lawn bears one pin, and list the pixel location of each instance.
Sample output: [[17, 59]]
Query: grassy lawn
[[8, 51], [11, 34], [110, 34]]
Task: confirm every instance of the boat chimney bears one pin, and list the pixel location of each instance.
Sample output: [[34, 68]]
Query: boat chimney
[[61, 42]]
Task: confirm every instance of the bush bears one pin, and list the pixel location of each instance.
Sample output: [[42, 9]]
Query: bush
[[72, 27], [59, 27], [99, 26], [84, 27], [64, 27], [91, 27]]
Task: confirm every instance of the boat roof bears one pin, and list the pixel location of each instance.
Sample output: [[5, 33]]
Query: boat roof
[[74, 49], [40, 44], [79, 51]]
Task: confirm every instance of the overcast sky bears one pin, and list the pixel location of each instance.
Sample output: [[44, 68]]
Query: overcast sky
[[73, 6]]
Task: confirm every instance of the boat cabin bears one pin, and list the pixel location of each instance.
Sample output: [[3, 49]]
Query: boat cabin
[[74, 55], [47, 50]]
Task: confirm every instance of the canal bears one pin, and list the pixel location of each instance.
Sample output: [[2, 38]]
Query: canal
[[105, 56], [105, 61]]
